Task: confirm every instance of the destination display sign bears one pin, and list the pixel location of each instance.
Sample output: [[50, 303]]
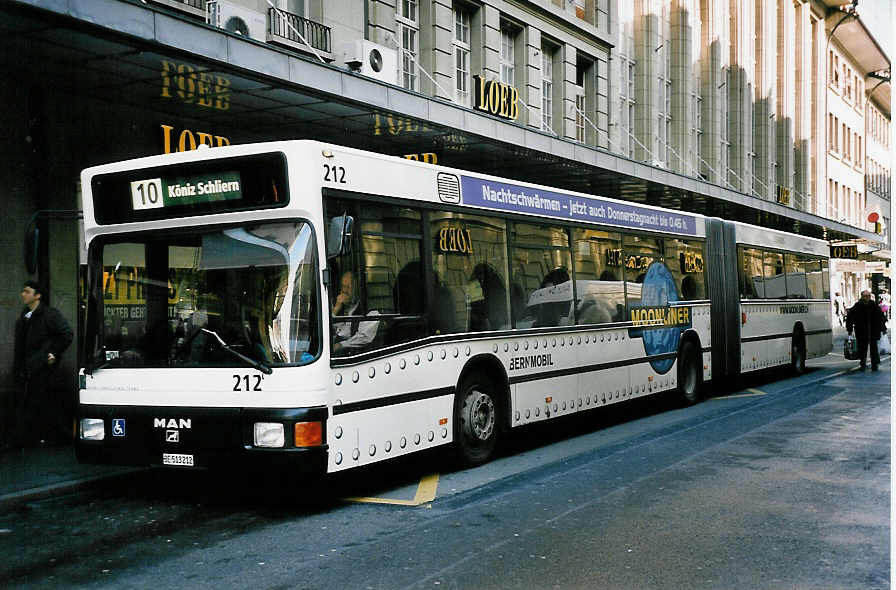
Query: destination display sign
[[519, 199], [153, 193]]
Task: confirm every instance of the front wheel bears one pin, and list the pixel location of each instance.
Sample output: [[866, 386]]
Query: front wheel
[[476, 420], [798, 354], [689, 374]]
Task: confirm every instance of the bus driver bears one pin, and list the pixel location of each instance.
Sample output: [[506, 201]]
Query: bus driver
[[351, 335]]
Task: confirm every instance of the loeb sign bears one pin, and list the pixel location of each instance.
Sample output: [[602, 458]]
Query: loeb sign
[[496, 98]]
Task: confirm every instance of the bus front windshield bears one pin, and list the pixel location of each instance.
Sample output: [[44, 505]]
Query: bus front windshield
[[193, 298]]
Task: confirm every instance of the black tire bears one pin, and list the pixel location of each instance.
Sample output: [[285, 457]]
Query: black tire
[[798, 353], [690, 375], [477, 420]]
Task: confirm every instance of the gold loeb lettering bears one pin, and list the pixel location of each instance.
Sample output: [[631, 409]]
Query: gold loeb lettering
[[187, 139], [496, 98], [425, 157], [191, 87], [394, 125]]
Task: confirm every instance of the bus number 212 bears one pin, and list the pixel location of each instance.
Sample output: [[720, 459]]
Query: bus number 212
[[334, 174], [241, 383]]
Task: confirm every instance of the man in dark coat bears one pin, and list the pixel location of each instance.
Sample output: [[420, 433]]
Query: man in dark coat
[[42, 335], [869, 322]]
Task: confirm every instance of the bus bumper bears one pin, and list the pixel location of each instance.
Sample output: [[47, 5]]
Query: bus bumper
[[185, 438]]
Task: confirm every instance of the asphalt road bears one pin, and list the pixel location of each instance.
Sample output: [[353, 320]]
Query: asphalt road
[[784, 484]]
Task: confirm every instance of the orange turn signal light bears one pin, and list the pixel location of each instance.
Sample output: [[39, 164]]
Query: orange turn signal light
[[308, 434]]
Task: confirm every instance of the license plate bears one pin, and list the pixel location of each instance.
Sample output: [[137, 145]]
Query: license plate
[[177, 459]]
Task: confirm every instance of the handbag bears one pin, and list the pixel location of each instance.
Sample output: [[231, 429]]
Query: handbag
[[850, 349], [883, 345]]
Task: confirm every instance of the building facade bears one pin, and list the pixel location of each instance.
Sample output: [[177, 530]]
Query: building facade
[[715, 106]]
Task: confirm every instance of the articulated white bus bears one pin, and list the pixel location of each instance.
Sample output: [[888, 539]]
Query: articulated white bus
[[323, 308]]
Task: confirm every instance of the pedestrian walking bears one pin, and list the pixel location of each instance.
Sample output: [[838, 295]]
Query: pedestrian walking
[[41, 336], [869, 322]]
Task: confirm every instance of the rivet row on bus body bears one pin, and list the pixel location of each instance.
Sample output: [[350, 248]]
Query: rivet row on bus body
[[338, 432]]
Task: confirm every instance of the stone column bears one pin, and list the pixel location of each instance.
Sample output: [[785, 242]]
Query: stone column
[[532, 94]]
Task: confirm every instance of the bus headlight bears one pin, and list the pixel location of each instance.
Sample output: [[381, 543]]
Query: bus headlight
[[93, 429], [269, 434]]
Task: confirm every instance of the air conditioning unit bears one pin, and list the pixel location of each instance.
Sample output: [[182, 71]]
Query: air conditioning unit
[[370, 59], [236, 19]]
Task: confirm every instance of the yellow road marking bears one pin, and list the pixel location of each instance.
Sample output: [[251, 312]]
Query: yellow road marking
[[426, 492], [754, 393]]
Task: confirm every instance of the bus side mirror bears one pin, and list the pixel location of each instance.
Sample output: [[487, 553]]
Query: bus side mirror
[[339, 236]]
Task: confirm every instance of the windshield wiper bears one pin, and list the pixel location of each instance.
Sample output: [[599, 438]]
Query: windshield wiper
[[252, 362]]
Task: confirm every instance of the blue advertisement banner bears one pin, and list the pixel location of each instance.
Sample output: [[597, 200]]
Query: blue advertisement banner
[[518, 199]]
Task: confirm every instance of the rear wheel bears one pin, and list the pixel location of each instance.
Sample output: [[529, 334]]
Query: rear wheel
[[476, 420], [798, 353], [689, 374]]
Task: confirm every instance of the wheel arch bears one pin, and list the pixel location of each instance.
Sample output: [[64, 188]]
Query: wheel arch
[[492, 367], [690, 335]]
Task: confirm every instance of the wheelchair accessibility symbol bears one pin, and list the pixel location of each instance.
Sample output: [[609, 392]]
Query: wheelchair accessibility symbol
[[118, 427]]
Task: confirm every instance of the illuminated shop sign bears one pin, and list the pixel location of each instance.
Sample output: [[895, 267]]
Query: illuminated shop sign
[[496, 98], [518, 199]]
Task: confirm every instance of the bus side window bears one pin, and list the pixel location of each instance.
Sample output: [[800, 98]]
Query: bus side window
[[684, 259], [804, 276], [752, 281], [541, 261], [597, 259], [379, 270], [774, 278], [639, 253], [469, 260]]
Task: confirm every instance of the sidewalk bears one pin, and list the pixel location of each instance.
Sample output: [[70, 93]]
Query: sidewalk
[[31, 474], [27, 475]]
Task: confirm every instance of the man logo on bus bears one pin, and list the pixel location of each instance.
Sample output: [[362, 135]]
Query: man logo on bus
[[657, 323]]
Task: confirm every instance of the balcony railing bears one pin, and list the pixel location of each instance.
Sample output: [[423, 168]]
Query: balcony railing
[[193, 7], [285, 24]]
